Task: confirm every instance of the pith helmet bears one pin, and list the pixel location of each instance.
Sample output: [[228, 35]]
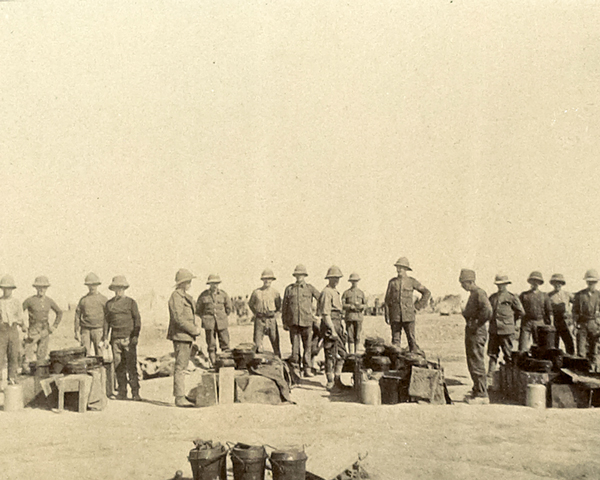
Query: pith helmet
[[7, 281], [466, 275], [354, 277], [212, 278], [403, 262], [300, 270], [41, 281], [92, 279], [334, 272], [501, 279], [118, 282], [558, 278], [590, 276], [183, 275], [267, 274], [537, 276]]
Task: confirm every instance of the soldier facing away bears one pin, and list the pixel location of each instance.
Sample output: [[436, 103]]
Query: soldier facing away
[[538, 311], [123, 323], [38, 307], [354, 303], [477, 313], [561, 301], [506, 311], [89, 316], [400, 308], [182, 332], [586, 315], [265, 303], [213, 307]]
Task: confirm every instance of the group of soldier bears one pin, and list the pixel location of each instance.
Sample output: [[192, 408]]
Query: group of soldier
[[534, 309], [101, 323]]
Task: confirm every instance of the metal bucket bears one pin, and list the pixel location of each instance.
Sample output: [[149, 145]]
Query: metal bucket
[[209, 463], [536, 396], [370, 392], [248, 462], [289, 464], [13, 398]]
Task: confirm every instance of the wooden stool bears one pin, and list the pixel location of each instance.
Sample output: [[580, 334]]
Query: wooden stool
[[72, 383]]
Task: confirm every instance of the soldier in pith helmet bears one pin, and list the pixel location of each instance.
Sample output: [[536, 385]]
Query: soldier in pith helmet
[[354, 303], [506, 311], [213, 307], [586, 315], [89, 316], [265, 304], [400, 307], [561, 301], [11, 321], [538, 311]]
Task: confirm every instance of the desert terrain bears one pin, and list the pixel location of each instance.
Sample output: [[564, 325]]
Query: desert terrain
[[150, 440]]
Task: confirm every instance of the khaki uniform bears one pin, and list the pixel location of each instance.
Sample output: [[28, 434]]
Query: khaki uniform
[[297, 315], [586, 315], [265, 303], [330, 304], [214, 310], [401, 309], [506, 311]]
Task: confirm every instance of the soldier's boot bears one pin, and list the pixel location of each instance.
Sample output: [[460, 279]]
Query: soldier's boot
[[122, 395], [212, 356], [308, 372], [135, 395], [183, 402], [337, 379], [330, 381], [351, 348]]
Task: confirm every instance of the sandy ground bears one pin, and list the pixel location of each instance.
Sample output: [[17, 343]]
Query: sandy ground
[[150, 440]]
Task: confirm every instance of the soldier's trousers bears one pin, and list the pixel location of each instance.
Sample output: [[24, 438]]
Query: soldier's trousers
[[475, 339], [335, 348], [182, 352], [528, 334], [125, 360], [91, 337], [409, 329], [211, 339], [36, 346], [301, 334], [588, 343], [500, 342], [10, 349], [564, 332], [268, 326]]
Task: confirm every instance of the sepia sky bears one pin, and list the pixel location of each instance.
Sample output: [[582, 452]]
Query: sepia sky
[[220, 136]]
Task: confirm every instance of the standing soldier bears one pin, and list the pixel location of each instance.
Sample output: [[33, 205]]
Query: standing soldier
[[354, 303], [182, 332], [264, 303], [89, 316], [561, 308], [400, 308], [538, 311], [586, 315], [334, 337], [298, 317], [38, 307], [213, 307], [477, 313], [11, 319], [123, 322], [506, 311]]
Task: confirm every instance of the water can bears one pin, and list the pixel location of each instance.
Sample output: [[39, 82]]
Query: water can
[[248, 462], [209, 463], [13, 398], [536, 396], [288, 464], [390, 389], [370, 392]]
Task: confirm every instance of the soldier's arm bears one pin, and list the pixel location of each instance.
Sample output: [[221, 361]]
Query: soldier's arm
[[485, 309], [346, 305], [252, 302], [425, 296], [106, 328], [549, 311], [77, 320], [325, 311], [517, 307], [575, 311], [176, 307], [277, 302], [137, 319], [58, 312], [227, 304]]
